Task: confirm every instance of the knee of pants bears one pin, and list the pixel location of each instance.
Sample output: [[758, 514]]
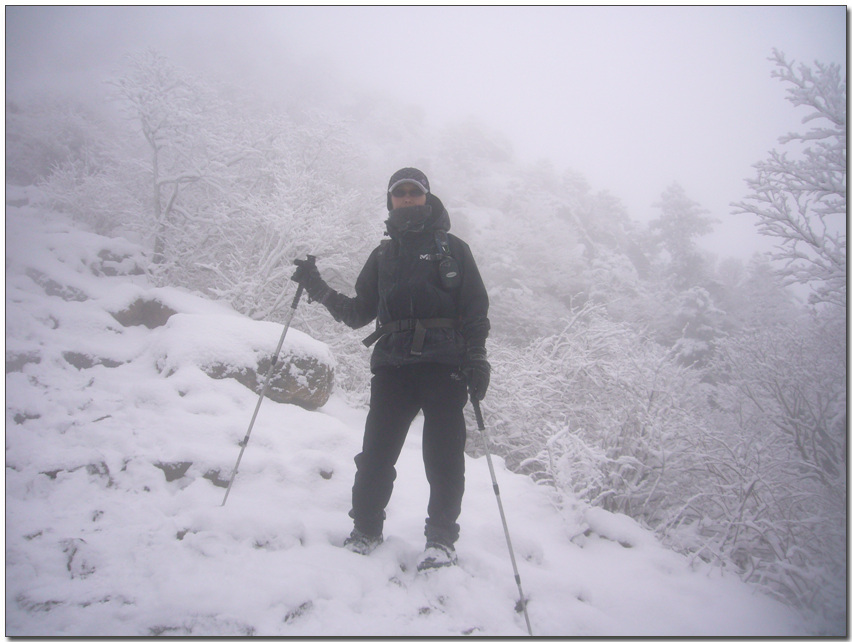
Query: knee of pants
[[444, 448], [374, 467]]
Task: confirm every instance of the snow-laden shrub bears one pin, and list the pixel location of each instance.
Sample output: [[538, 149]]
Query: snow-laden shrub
[[774, 500], [625, 398]]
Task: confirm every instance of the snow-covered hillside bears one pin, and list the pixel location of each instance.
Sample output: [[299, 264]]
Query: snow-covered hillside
[[109, 533]]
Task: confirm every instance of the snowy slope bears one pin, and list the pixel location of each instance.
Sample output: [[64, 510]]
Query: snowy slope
[[99, 542]]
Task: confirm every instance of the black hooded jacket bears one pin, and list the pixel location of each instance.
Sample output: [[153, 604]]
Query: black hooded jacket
[[401, 281]]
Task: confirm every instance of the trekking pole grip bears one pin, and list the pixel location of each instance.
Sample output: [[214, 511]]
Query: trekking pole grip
[[312, 260], [480, 422]]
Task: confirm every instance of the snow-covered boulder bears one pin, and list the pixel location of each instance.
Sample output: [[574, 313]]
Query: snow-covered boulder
[[230, 346], [226, 346], [81, 299]]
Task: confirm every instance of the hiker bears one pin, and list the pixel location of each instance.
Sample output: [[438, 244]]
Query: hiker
[[424, 290]]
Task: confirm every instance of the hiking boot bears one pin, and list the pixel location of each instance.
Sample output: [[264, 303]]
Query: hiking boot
[[437, 555], [361, 543]]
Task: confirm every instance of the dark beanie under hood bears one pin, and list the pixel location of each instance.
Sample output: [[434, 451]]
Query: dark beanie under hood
[[407, 175]]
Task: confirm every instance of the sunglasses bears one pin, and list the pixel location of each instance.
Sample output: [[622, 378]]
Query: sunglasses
[[402, 192]]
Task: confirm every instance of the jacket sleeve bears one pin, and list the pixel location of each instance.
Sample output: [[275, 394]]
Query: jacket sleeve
[[359, 310], [472, 301]]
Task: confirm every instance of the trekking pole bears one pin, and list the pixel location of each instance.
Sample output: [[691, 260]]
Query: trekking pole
[[244, 442], [481, 425]]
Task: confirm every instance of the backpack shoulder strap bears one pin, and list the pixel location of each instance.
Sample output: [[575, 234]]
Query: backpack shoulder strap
[[383, 248], [443, 242], [448, 268]]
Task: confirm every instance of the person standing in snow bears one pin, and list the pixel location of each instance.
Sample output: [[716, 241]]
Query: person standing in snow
[[425, 292]]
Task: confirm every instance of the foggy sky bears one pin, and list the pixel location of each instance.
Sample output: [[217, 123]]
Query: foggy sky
[[633, 98]]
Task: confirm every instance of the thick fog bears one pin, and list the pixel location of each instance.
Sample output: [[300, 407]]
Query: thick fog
[[581, 152], [633, 98]]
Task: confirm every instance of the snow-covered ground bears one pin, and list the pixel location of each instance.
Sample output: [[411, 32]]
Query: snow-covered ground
[[100, 543]]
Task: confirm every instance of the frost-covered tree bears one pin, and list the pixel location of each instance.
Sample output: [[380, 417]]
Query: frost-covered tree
[[680, 223], [799, 197], [753, 295], [700, 323], [782, 377], [167, 105], [227, 190]]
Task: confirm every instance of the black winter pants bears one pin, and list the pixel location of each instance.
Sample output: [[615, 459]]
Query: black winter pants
[[397, 394]]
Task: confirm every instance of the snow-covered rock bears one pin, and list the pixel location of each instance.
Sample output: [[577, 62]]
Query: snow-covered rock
[[80, 267], [225, 346]]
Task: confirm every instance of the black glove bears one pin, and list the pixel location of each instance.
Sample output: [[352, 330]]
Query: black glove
[[477, 371], [308, 275]]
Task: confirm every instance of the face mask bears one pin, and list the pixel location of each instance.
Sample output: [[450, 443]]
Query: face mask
[[407, 219]]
